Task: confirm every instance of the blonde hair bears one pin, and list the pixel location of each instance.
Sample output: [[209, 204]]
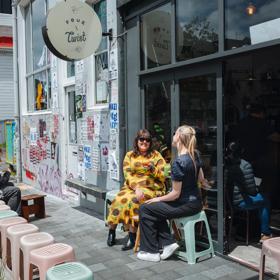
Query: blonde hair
[[188, 140]]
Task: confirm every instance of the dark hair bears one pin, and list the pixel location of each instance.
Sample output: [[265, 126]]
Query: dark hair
[[234, 150], [142, 133]]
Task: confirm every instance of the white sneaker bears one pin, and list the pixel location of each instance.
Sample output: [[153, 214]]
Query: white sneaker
[[169, 250], [145, 256]]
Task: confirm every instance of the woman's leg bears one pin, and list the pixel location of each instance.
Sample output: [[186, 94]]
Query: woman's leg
[[153, 225], [111, 240]]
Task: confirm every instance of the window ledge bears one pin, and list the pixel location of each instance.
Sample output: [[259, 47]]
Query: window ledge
[[48, 112]]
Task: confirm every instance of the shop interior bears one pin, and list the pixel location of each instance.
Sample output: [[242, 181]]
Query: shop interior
[[251, 79]]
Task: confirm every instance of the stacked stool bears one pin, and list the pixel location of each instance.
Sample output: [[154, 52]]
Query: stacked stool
[[28, 243], [14, 233], [4, 207], [4, 225], [2, 202], [51, 255], [69, 271], [7, 213]]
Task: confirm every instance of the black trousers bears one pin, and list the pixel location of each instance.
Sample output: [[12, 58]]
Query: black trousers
[[12, 197], [154, 230]]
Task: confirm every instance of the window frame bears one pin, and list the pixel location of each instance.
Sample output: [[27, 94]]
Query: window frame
[[30, 72]]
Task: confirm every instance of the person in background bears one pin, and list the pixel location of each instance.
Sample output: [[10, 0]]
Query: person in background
[[10, 193], [244, 193], [183, 200], [144, 175]]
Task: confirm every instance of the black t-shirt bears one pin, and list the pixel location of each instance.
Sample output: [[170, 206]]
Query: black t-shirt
[[183, 170]]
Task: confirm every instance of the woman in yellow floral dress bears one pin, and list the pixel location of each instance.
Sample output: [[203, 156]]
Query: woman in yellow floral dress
[[144, 179]]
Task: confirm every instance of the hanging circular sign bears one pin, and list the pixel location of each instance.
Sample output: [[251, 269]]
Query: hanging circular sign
[[72, 30]]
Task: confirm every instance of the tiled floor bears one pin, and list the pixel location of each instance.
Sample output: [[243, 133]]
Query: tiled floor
[[88, 234]]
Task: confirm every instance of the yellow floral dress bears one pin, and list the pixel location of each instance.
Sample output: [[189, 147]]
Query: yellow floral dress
[[136, 175]]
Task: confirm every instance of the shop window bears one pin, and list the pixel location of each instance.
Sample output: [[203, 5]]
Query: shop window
[[5, 6], [101, 59], [158, 116], [37, 58], [156, 37], [196, 28], [251, 22], [72, 117], [70, 69]]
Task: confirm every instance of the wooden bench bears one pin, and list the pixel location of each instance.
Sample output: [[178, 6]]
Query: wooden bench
[[37, 207]]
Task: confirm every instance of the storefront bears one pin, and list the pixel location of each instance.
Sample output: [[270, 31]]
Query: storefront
[[203, 63]]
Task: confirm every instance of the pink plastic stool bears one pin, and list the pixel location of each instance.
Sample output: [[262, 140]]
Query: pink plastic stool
[[50, 255], [2, 202], [4, 207], [14, 233], [270, 248], [4, 224], [30, 242]]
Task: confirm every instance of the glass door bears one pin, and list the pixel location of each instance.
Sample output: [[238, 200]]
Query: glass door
[[192, 97], [197, 108]]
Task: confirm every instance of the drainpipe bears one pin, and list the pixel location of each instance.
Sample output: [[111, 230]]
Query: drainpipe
[[16, 93]]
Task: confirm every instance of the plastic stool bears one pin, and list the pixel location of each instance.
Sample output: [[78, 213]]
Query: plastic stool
[[7, 214], [270, 248], [30, 242], [51, 255], [4, 207], [108, 200], [4, 225], [188, 226], [70, 271], [2, 202], [14, 233]]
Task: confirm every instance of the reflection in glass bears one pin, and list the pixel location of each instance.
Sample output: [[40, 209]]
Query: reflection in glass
[[30, 96], [41, 91], [198, 109], [245, 25], [158, 116], [72, 118], [101, 74], [196, 28], [70, 69], [101, 10], [39, 48], [28, 40], [156, 37]]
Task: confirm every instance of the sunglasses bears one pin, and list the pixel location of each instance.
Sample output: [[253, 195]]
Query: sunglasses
[[142, 139]]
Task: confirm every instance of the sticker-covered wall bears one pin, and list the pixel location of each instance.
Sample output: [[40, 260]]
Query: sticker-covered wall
[[40, 152]]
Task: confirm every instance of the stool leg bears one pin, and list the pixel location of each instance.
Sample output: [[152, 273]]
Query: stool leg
[[262, 266], [27, 268], [189, 232], [209, 235], [41, 207], [137, 241]]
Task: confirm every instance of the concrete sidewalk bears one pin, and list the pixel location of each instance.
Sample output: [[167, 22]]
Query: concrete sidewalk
[[88, 235]]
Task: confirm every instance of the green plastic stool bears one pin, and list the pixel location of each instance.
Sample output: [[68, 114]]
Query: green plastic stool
[[187, 224], [69, 271], [7, 214]]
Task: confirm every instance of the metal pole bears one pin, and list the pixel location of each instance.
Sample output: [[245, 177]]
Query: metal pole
[[16, 94]]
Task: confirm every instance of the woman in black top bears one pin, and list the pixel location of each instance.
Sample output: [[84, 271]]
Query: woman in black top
[[184, 200]]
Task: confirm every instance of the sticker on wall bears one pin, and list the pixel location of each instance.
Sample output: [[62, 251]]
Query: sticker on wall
[[114, 118], [113, 64], [96, 158], [113, 165], [87, 157], [104, 147]]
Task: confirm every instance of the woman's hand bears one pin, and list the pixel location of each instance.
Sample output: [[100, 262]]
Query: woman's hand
[[149, 166], [139, 194], [152, 200]]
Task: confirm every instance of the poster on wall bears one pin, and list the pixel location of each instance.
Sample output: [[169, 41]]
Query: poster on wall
[[113, 65], [33, 136], [113, 165], [114, 117], [95, 158], [101, 126], [104, 147], [87, 157]]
